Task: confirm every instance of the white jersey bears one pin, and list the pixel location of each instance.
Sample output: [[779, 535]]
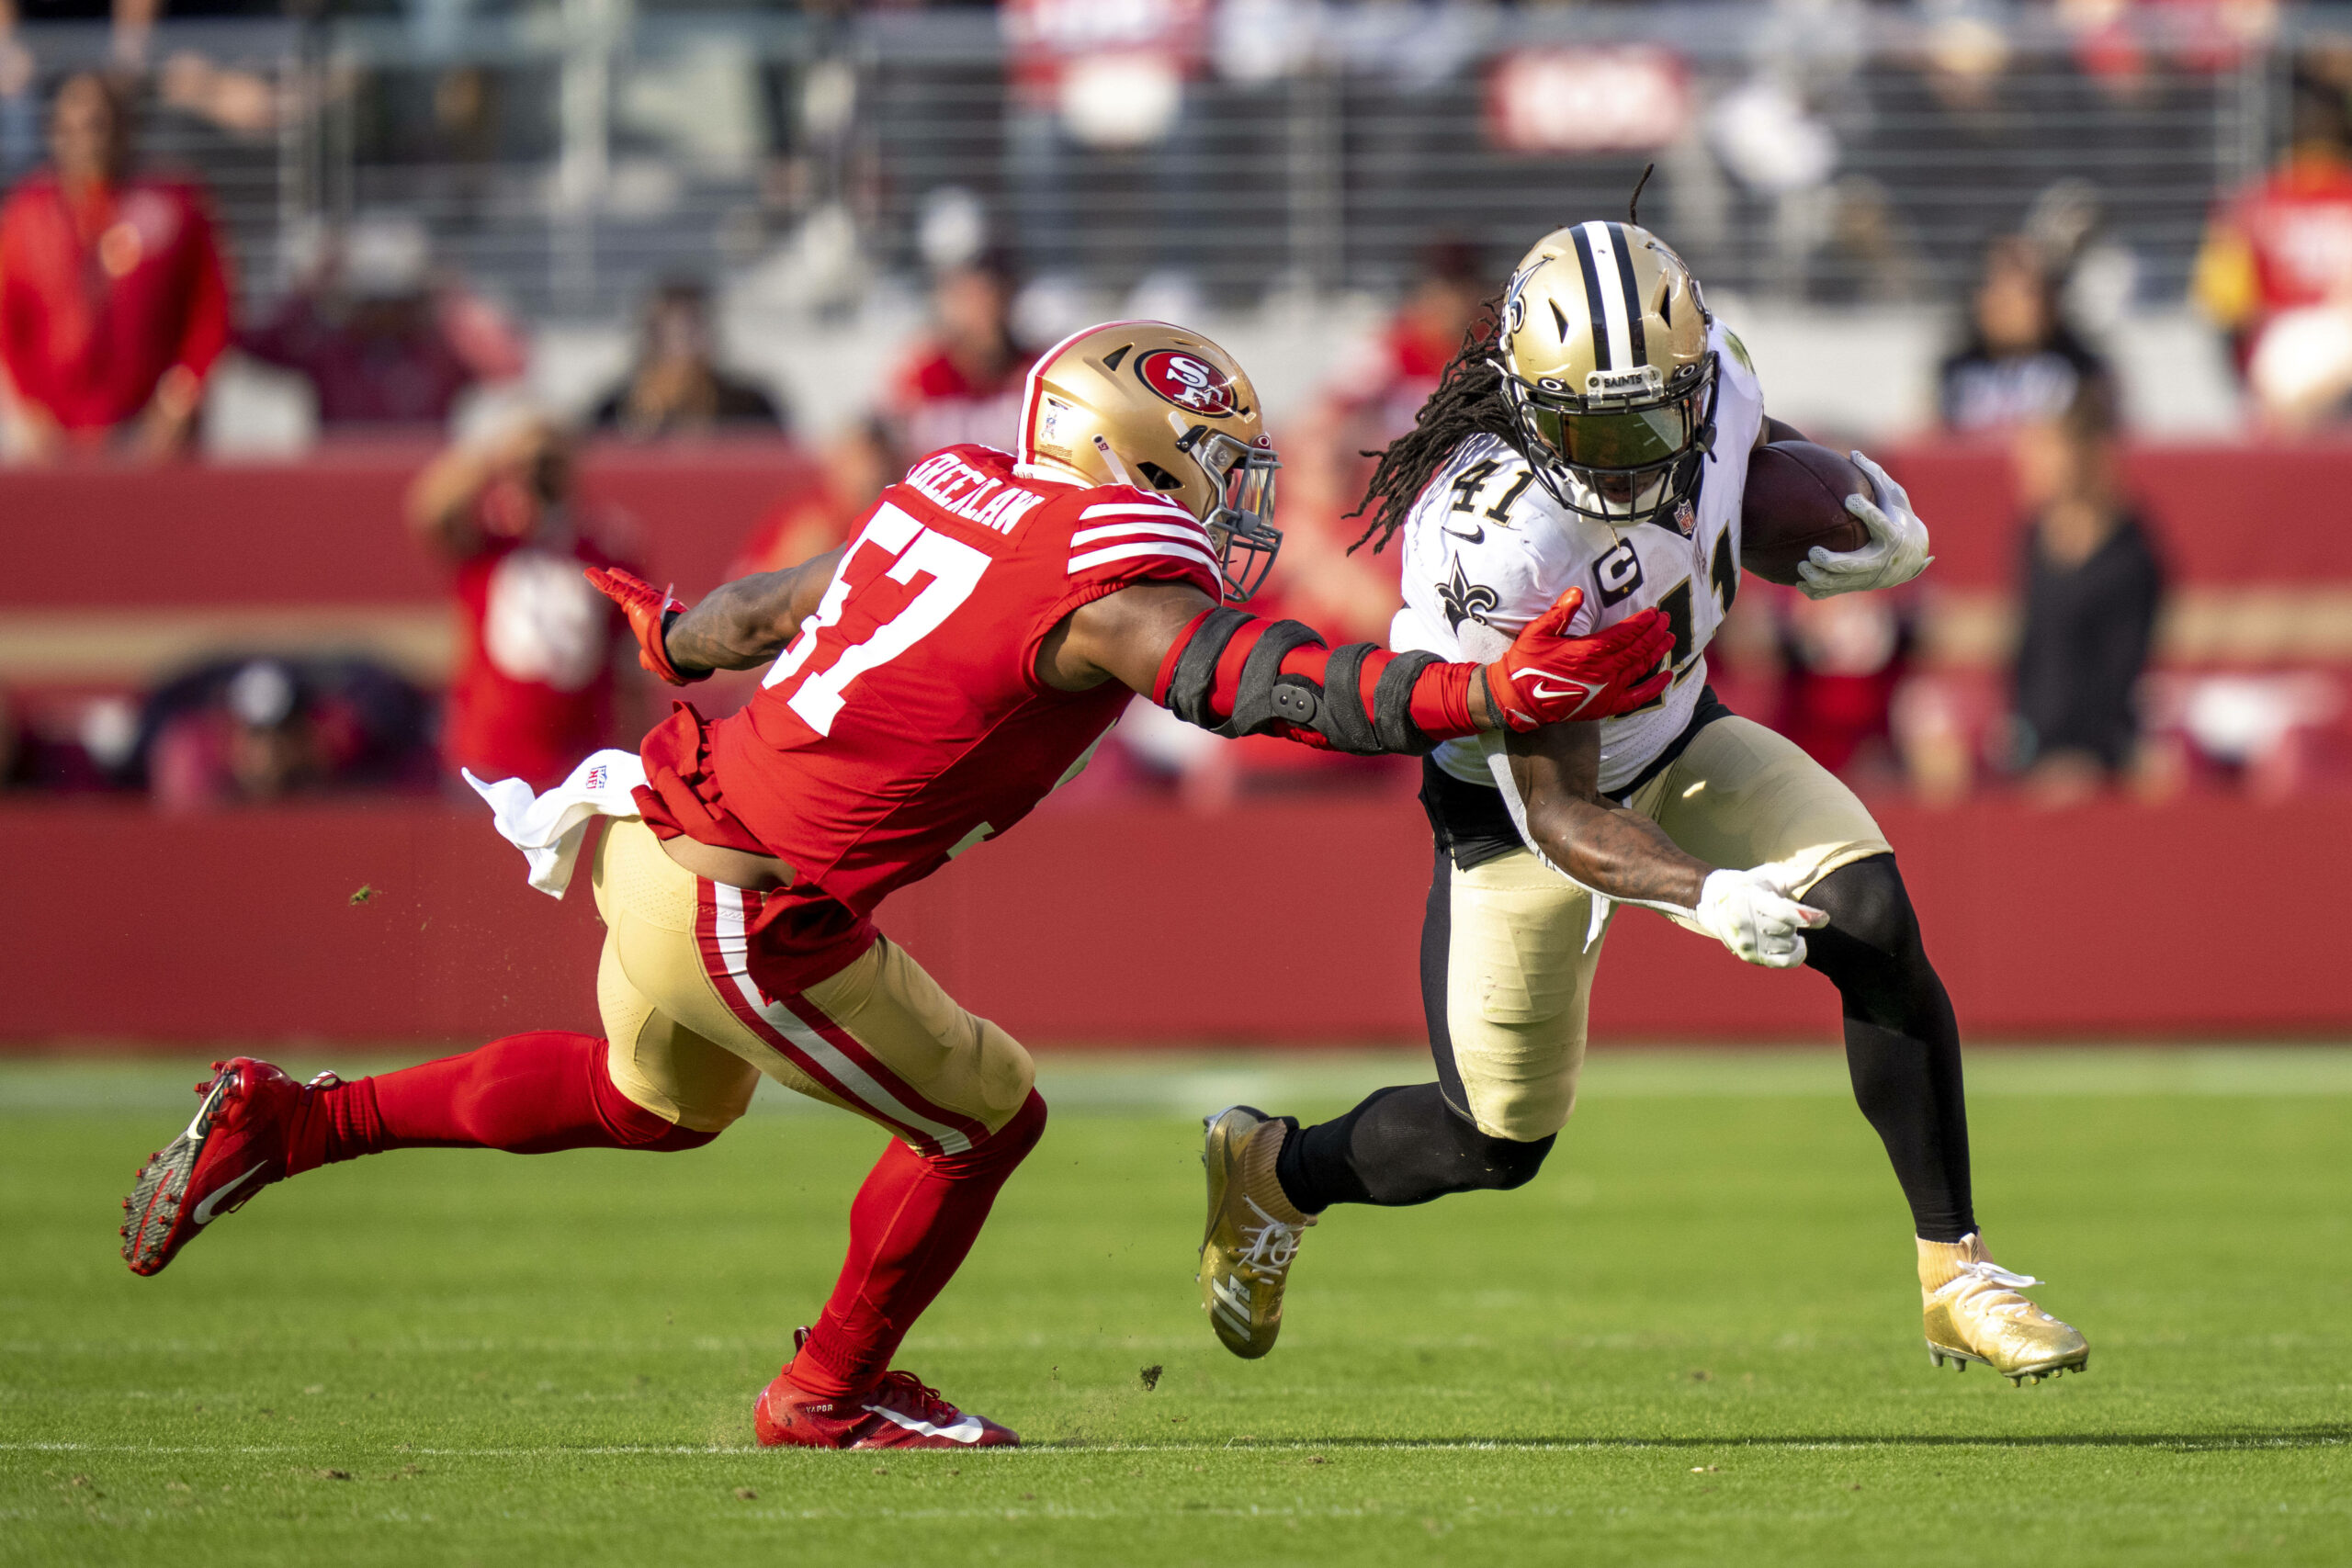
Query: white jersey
[[1486, 550]]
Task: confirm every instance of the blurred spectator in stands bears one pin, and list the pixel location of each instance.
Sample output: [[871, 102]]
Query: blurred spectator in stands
[[1373, 397], [20, 108], [380, 335], [856, 467], [2276, 269], [963, 381], [1105, 82], [250, 731], [65, 745], [114, 301], [2120, 44], [1367, 403], [2091, 584], [2021, 361], [676, 387], [1841, 660], [539, 647], [16, 746]]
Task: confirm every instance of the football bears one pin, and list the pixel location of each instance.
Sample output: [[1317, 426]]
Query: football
[[1796, 499]]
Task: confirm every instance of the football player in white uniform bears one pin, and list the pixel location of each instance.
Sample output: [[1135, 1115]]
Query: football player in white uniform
[[1598, 438]]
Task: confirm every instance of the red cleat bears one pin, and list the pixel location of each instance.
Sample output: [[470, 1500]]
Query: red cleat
[[899, 1412], [236, 1146]]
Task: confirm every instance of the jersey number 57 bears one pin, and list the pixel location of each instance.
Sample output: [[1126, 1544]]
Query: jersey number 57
[[824, 658]]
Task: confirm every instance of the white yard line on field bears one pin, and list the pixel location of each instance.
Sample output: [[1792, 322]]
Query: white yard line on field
[[2219, 1443], [1187, 1083]]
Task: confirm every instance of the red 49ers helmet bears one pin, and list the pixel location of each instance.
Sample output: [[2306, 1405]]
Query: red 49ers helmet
[[1151, 405]]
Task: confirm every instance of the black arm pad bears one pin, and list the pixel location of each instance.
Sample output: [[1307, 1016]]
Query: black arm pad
[[1194, 683], [1266, 699]]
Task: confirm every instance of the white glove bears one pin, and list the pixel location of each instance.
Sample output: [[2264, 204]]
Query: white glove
[[1897, 551], [1755, 913]]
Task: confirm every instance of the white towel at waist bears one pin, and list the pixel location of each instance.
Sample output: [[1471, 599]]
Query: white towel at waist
[[548, 827]]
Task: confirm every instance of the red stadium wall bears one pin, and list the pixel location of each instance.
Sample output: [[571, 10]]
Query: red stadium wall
[[1092, 923], [327, 530], [1272, 924]]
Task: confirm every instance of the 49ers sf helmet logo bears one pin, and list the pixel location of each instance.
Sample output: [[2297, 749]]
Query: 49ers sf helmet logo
[[1188, 381]]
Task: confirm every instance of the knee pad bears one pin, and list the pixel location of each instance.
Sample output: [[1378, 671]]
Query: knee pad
[[1871, 949], [639, 1127], [1867, 903], [1511, 1163], [667, 1072], [1008, 1145], [1008, 1075]]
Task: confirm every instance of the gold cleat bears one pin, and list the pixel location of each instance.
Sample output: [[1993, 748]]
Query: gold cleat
[[1253, 1230], [1974, 1313]]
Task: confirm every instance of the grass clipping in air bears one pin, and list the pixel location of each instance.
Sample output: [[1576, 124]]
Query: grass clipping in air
[[1695, 1338]]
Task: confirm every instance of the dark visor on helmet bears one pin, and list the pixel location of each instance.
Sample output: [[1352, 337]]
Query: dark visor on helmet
[[1586, 434]]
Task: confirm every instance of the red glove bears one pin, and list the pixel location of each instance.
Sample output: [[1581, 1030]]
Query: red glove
[[648, 611], [1548, 676]]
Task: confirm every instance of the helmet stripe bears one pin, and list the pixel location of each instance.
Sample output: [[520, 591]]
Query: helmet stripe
[[1610, 305], [1633, 293], [1595, 311]]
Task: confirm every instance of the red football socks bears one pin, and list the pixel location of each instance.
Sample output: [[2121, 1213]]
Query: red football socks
[[913, 1222], [527, 1094], [909, 1231]]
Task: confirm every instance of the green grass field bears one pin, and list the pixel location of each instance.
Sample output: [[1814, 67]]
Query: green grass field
[[1694, 1339]]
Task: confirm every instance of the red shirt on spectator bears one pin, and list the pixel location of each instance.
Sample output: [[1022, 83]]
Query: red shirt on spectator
[[2282, 243], [390, 362], [103, 296], [1046, 36], [932, 403], [1388, 383], [533, 691]]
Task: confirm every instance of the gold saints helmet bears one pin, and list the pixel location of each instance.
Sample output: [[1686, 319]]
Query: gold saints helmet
[[1147, 404], [1606, 366]]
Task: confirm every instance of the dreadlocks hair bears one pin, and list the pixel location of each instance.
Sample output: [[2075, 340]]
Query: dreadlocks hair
[[1469, 401]]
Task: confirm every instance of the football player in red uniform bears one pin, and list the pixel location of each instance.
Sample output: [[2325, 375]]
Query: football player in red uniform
[[928, 683]]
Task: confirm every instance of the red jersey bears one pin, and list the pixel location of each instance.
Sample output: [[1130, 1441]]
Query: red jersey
[[2297, 225], [533, 691], [907, 722], [1045, 37], [1386, 383], [99, 297], [934, 404]]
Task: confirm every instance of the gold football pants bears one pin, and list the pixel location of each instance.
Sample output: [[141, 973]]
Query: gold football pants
[[1518, 975], [690, 1031]]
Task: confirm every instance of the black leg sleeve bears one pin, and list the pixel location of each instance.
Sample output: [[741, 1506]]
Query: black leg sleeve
[[1401, 1146], [1902, 1042]]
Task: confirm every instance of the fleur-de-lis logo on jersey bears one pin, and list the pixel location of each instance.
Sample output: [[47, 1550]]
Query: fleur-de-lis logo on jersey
[[1465, 600]]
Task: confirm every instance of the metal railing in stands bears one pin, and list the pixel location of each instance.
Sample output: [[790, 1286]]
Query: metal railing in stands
[[564, 157]]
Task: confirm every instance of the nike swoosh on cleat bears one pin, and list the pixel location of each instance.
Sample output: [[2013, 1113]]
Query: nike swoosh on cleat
[[966, 1428], [206, 1210]]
